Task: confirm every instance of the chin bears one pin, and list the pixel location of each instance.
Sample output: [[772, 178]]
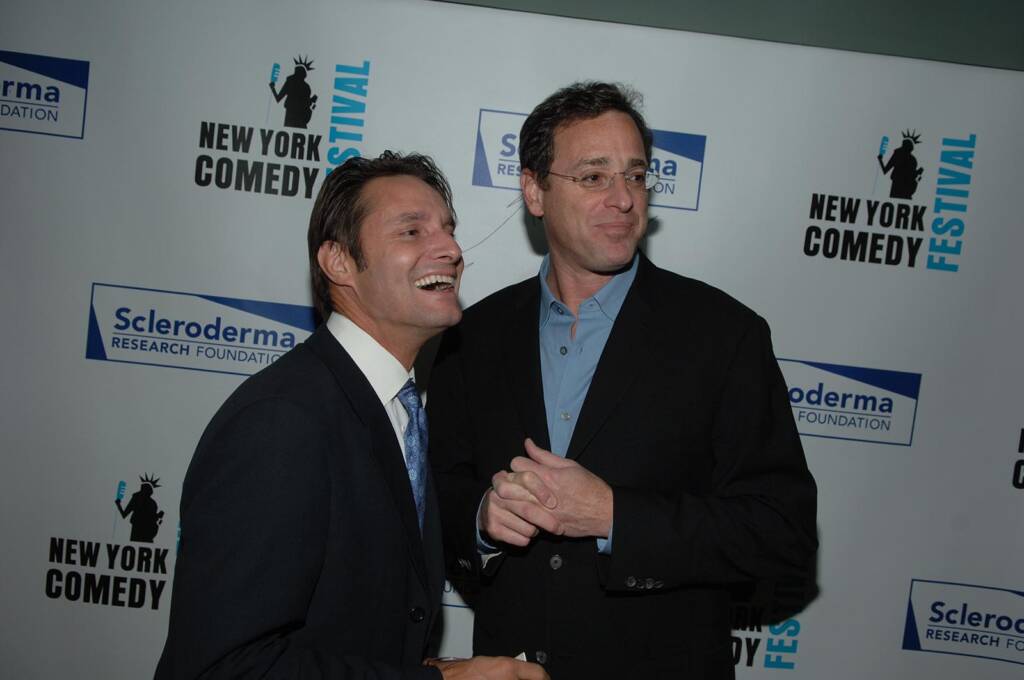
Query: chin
[[447, 319], [619, 260]]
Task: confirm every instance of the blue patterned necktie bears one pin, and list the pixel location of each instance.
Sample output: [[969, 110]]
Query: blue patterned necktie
[[415, 446]]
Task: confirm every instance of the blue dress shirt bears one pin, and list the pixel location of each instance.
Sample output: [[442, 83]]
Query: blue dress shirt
[[567, 363]]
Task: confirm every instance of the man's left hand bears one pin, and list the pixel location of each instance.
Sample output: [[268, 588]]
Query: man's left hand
[[584, 505]]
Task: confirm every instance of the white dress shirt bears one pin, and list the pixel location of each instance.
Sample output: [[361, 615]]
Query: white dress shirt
[[385, 373]]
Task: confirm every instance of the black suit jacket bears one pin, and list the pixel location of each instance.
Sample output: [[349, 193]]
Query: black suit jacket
[[687, 418], [300, 550]]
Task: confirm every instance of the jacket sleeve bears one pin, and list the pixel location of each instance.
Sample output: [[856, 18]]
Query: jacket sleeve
[[451, 455], [757, 522], [254, 518]]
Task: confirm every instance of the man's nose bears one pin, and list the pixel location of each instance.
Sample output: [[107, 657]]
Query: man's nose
[[618, 194], [445, 247]]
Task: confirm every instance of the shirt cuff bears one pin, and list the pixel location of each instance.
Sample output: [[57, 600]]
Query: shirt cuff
[[485, 549], [604, 545]]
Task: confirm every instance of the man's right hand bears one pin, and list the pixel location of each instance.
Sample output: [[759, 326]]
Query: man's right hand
[[489, 668], [516, 507]]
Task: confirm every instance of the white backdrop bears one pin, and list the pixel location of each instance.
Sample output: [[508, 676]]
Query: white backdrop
[[918, 503]]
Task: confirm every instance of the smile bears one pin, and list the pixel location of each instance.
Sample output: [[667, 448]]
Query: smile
[[435, 282]]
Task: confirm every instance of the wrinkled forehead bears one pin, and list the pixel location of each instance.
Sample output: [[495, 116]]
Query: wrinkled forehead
[[611, 139], [404, 200]]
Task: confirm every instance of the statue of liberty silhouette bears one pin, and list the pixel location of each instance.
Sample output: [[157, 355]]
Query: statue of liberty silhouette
[[905, 172], [299, 100], [146, 517]]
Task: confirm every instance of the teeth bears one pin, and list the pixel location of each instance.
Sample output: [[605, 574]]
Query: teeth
[[434, 279]]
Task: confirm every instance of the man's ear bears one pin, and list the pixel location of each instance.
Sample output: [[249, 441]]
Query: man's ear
[[337, 265], [533, 193]]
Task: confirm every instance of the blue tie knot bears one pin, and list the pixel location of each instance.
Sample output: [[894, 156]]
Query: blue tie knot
[[409, 396]]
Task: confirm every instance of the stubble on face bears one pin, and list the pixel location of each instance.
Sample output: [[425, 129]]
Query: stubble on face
[[592, 235], [407, 292]]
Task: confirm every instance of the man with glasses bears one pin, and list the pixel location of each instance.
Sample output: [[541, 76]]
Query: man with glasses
[[613, 442]]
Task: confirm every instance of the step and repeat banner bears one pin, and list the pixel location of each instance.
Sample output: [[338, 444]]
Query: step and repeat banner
[[159, 162]]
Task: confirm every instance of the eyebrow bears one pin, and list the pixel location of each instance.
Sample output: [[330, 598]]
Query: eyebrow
[[603, 162], [414, 217], [407, 217]]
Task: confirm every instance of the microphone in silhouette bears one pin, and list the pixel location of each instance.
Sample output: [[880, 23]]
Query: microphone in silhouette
[[274, 73], [881, 152], [121, 487]]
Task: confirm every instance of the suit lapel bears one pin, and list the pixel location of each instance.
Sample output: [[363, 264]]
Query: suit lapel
[[384, 447], [522, 365], [616, 372]]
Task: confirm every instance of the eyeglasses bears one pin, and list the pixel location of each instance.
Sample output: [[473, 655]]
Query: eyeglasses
[[599, 180]]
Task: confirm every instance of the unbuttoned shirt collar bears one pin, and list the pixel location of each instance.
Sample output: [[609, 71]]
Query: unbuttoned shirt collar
[[383, 371], [609, 299], [568, 360]]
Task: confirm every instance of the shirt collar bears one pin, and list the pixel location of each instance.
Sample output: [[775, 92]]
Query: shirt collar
[[384, 372], [609, 298]]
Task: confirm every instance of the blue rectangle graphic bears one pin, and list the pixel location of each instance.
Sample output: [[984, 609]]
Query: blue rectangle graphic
[[43, 95], [851, 402], [134, 325], [966, 620]]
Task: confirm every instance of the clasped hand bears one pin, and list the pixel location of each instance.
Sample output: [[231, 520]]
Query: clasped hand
[[545, 492], [488, 668]]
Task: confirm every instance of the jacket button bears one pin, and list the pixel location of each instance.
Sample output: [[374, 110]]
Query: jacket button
[[541, 656], [630, 581], [416, 614], [556, 562]]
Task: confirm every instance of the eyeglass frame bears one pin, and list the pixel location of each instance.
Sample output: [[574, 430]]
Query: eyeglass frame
[[650, 177]]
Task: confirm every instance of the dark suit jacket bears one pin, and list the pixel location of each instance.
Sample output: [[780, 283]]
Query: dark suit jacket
[[687, 418], [300, 551]]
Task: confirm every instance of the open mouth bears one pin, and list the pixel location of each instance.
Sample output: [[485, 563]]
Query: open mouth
[[435, 282]]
